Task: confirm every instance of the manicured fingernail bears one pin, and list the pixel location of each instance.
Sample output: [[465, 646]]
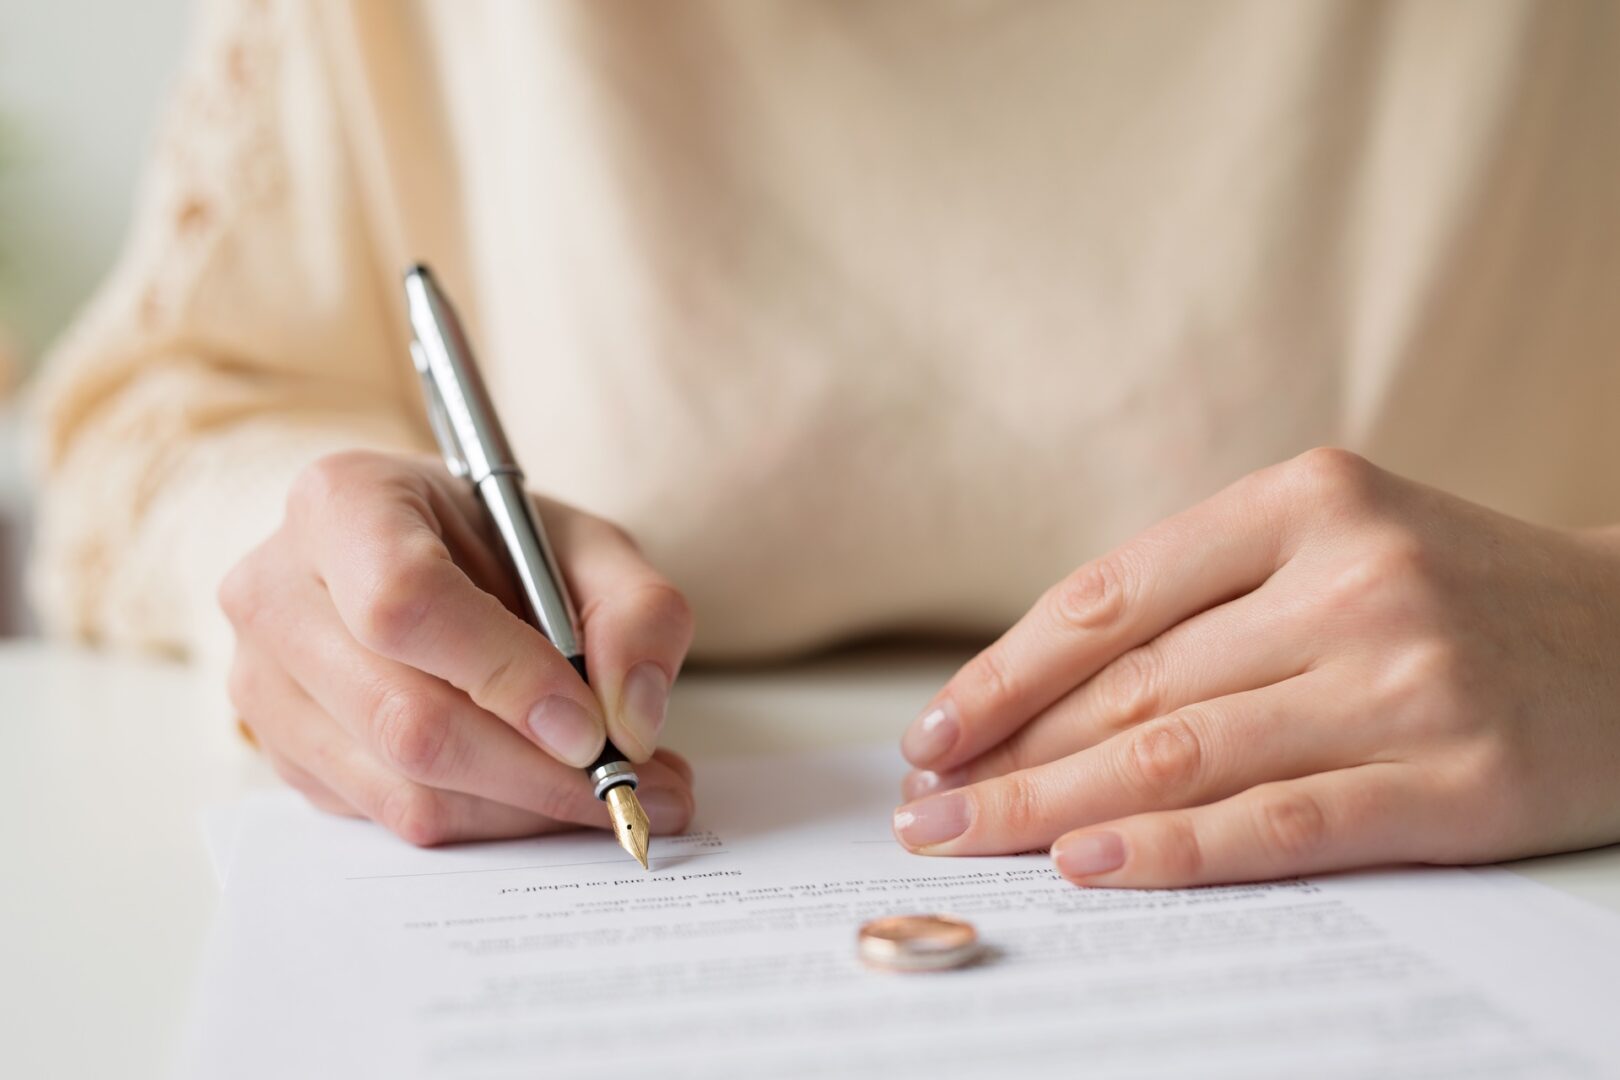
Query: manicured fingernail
[[566, 731], [933, 820], [644, 702], [1088, 854], [920, 782], [931, 735], [666, 810]]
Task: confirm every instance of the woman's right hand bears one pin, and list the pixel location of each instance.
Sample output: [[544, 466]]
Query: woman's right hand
[[380, 666]]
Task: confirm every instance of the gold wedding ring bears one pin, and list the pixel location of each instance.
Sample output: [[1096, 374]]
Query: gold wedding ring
[[918, 943]]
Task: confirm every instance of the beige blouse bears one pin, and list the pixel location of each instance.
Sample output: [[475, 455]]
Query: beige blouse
[[862, 316]]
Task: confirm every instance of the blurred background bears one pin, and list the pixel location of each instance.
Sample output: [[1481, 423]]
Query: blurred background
[[82, 84]]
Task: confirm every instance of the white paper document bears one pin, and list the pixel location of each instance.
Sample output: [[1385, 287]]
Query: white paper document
[[342, 952]]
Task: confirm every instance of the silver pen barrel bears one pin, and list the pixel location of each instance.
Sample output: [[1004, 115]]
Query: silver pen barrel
[[457, 395], [512, 512], [470, 433]]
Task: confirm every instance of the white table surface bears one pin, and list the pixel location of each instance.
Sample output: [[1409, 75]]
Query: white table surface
[[105, 888]]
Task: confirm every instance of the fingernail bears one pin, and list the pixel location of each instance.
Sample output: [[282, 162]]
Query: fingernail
[[644, 702], [932, 821], [666, 810], [920, 782], [1088, 854], [931, 735], [566, 731]]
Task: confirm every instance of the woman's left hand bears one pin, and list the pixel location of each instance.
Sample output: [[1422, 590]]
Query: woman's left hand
[[1323, 666]]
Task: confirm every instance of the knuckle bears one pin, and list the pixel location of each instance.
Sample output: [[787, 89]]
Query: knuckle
[[1165, 756], [1427, 664], [1493, 779], [1092, 598], [398, 601], [241, 683], [1179, 851], [1399, 559], [1422, 683], [665, 606], [1018, 809], [496, 686], [1292, 825], [323, 479], [234, 592], [1393, 570], [1497, 765], [415, 814], [1491, 786], [240, 594], [411, 733], [989, 672], [613, 533], [1129, 689], [656, 605], [1329, 474], [328, 758]]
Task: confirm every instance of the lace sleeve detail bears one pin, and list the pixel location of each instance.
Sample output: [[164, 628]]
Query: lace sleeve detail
[[242, 332]]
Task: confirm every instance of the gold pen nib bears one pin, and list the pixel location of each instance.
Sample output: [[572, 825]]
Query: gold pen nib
[[629, 821]]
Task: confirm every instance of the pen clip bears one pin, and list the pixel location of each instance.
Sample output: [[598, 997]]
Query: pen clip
[[439, 417]]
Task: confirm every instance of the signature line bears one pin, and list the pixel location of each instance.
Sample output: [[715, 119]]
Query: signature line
[[538, 866]]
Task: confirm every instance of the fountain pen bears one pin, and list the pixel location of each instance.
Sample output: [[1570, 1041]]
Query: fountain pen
[[475, 448]]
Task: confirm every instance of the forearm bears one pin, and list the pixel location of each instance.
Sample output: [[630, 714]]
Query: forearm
[[246, 331], [140, 519]]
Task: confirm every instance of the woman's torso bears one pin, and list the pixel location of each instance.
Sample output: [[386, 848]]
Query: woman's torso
[[866, 316]]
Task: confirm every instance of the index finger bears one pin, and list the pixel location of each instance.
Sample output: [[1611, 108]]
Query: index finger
[[1222, 548]]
